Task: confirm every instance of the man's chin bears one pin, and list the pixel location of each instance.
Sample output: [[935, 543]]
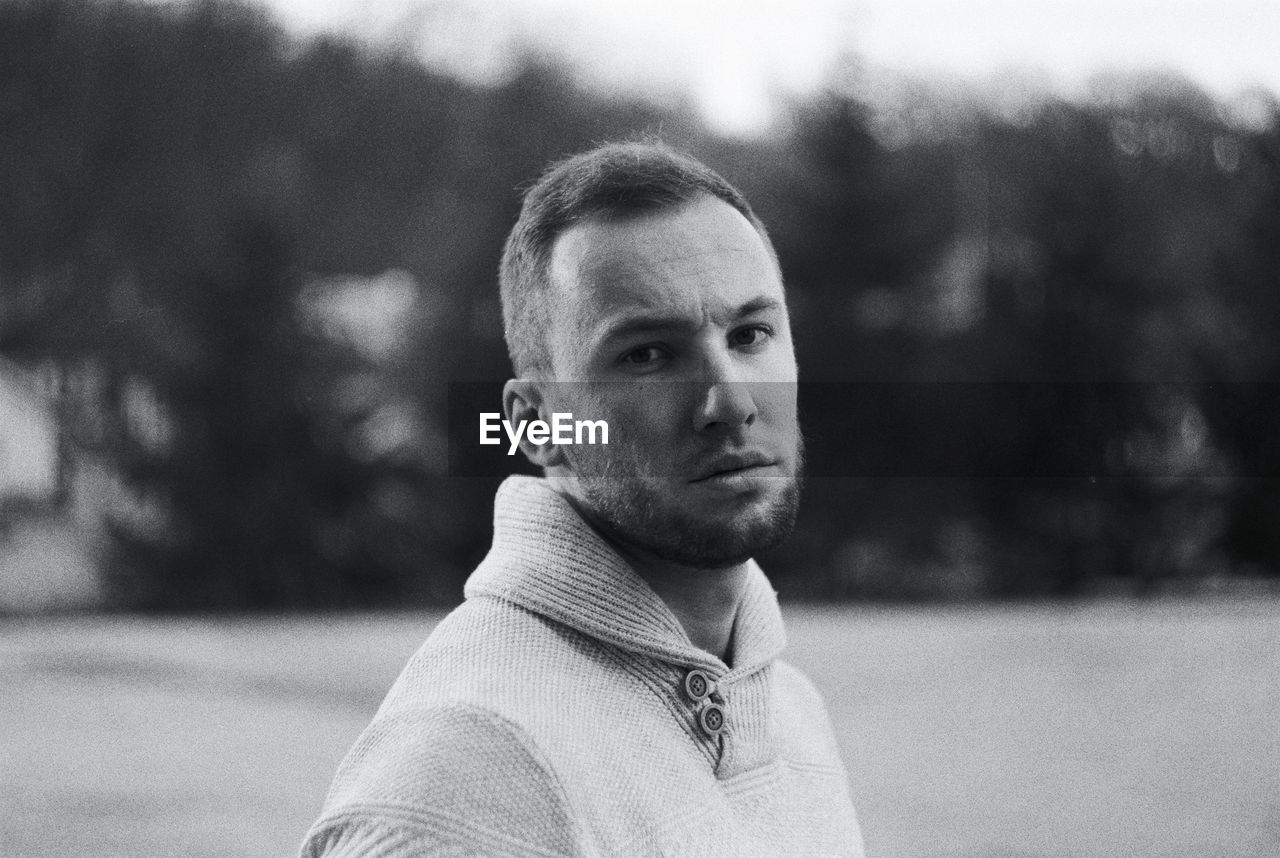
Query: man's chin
[[700, 529], [719, 542]]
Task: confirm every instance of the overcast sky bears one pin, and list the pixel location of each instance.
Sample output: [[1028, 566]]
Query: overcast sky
[[733, 55]]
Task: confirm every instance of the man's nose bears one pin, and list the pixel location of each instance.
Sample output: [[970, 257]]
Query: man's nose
[[726, 405], [724, 401]]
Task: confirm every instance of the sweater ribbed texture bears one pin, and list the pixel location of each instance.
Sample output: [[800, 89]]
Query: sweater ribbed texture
[[546, 715]]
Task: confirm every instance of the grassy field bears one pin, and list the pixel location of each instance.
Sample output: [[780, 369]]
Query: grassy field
[[1112, 729]]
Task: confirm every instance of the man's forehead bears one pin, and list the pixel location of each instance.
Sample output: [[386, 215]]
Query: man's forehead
[[703, 254]]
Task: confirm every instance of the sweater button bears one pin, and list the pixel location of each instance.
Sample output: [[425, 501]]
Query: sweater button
[[697, 685], [711, 718]]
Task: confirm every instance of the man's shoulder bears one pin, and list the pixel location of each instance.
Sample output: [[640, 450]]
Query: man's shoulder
[[489, 652], [407, 751], [470, 743], [450, 759], [428, 775], [523, 668]]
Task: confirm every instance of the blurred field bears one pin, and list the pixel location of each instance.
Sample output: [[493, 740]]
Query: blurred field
[[1125, 729]]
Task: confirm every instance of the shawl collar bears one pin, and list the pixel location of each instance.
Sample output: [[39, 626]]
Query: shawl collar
[[546, 559]]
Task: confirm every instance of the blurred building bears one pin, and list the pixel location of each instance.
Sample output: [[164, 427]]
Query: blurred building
[[52, 511]]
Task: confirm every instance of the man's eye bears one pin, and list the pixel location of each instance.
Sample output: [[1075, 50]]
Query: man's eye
[[642, 356], [752, 336]]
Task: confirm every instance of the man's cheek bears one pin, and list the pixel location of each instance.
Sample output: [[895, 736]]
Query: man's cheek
[[778, 400], [650, 434]]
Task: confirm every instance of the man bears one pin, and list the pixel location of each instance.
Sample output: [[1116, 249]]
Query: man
[[611, 685]]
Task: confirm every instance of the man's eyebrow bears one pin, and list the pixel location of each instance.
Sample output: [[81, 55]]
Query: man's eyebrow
[[758, 305], [644, 323]]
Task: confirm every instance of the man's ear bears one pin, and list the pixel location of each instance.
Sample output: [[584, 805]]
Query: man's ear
[[522, 400]]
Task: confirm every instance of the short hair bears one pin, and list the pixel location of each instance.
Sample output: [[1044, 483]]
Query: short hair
[[611, 180]]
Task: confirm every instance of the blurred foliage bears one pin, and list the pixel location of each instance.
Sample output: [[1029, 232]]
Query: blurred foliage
[[186, 194]]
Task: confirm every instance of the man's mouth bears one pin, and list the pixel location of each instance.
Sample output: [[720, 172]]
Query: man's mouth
[[729, 464]]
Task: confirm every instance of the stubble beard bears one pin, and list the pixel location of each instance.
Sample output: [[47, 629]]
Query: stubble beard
[[639, 510]]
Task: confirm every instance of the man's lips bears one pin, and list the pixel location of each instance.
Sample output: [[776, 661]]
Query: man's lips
[[731, 463]]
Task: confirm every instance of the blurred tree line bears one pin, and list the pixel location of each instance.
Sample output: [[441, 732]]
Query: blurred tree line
[[1040, 342]]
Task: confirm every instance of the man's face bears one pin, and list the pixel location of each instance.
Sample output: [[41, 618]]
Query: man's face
[[672, 326]]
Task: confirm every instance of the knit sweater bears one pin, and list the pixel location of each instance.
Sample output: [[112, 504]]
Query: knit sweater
[[561, 710]]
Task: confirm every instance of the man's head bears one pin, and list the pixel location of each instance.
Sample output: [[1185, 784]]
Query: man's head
[[639, 288], [608, 182]]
